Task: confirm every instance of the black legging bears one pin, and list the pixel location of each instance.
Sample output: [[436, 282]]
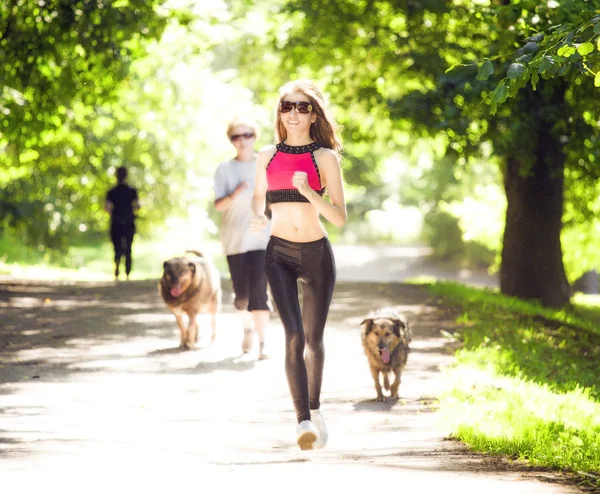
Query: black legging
[[313, 264]]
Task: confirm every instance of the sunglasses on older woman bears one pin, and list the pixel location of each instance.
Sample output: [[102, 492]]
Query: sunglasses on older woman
[[300, 106], [245, 135]]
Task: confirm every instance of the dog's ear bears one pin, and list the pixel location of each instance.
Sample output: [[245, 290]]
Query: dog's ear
[[367, 325], [165, 264], [398, 325], [192, 267]]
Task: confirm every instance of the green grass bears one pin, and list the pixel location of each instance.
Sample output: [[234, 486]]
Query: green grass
[[95, 262], [525, 383]]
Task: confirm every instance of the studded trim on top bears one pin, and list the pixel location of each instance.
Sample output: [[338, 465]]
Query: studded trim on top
[[272, 158], [308, 148], [288, 195]]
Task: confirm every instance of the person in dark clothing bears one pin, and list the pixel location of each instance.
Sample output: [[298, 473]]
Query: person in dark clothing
[[122, 204]]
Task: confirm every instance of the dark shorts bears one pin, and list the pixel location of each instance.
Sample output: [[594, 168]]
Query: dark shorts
[[249, 280]]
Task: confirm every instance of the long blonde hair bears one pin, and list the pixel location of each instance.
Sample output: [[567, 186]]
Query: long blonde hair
[[323, 130]]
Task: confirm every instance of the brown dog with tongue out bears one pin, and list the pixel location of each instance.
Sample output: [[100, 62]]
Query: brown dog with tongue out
[[190, 286], [386, 337]]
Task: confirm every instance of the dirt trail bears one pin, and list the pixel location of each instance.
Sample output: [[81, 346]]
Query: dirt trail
[[94, 395]]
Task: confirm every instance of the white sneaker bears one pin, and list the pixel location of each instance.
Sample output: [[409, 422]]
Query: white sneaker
[[319, 421], [306, 434], [247, 341]]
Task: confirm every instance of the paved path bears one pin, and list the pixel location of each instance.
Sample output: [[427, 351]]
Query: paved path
[[94, 396]]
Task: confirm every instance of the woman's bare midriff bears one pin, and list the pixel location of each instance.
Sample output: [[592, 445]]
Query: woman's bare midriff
[[297, 222]]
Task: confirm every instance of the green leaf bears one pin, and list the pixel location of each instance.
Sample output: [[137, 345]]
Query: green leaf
[[530, 47], [515, 70], [486, 69], [564, 70], [597, 79], [569, 38], [545, 64], [597, 28], [566, 51], [585, 48], [537, 38], [524, 59], [534, 80], [500, 94]]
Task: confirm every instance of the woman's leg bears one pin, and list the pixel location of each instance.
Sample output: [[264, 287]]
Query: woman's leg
[[283, 281], [319, 267]]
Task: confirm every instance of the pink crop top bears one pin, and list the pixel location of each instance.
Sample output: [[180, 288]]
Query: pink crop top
[[285, 162]]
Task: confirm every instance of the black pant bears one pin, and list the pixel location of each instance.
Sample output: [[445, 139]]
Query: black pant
[[122, 238], [313, 264], [248, 279]]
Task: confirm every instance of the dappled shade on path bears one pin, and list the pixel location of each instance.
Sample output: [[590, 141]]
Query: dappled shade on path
[[91, 375]]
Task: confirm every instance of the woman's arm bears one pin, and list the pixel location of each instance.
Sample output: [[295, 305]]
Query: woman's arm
[[259, 197], [331, 174]]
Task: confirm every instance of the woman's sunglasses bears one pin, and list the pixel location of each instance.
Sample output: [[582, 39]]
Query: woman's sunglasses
[[245, 135], [300, 106]]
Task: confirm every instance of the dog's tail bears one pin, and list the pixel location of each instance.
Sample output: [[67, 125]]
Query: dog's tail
[[386, 381], [195, 252]]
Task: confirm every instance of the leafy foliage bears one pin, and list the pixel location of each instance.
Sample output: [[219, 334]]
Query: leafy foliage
[[63, 62], [567, 44], [57, 52]]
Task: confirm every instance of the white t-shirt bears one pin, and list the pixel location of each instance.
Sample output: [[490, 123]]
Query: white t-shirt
[[235, 234]]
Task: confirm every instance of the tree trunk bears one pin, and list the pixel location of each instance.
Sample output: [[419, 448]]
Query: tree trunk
[[532, 261]]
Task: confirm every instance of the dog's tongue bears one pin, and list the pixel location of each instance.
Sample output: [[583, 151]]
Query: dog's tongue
[[176, 291], [385, 355]]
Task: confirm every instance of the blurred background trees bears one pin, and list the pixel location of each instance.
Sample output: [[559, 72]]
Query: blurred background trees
[[470, 125], [63, 63]]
